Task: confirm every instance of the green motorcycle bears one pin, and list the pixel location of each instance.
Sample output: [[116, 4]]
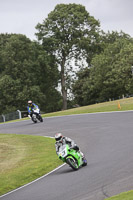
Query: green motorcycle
[[72, 157]]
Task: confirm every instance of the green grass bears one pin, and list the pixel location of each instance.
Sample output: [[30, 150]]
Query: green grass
[[125, 104], [24, 158], [123, 196]]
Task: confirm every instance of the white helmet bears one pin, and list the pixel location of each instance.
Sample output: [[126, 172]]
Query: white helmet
[[58, 137], [30, 103]]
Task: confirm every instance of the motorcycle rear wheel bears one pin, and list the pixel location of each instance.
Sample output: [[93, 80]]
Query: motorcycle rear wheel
[[84, 162], [41, 119]]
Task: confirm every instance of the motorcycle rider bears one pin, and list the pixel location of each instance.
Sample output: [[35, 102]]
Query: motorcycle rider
[[30, 107], [60, 140]]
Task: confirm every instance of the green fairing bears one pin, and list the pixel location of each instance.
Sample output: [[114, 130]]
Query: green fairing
[[70, 156]]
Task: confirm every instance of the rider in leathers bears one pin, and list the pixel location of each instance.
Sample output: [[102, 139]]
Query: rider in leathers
[[30, 107], [60, 140]]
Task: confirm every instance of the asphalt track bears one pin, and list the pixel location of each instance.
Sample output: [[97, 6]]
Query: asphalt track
[[107, 141]]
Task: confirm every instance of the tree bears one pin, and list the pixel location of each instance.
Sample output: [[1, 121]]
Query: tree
[[79, 87], [68, 33], [110, 74], [26, 72], [111, 71]]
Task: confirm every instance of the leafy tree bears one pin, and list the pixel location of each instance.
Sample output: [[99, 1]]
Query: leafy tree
[[110, 73], [17, 68], [25, 74], [47, 78], [124, 68], [3, 41], [69, 33], [80, 86], [111, 37]]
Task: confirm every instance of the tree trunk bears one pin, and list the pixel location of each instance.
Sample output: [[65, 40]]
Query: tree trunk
[[63, 85], [64, 95]]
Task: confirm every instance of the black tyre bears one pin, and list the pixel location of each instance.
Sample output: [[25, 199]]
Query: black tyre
[[73, 164], [39, 117], [34, 120]]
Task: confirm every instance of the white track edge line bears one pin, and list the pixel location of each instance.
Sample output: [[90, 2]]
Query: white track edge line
[[33, 181], [53, 137], [92, 113]]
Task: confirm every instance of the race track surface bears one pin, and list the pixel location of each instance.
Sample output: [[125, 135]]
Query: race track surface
[[107, 141]]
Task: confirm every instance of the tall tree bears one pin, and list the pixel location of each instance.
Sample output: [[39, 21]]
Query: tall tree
[[68, 33], [26, 72]]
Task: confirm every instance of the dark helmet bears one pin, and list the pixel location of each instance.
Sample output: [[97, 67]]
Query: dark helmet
[[58, 137]]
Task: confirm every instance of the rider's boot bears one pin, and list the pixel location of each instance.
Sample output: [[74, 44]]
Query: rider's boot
[[83, 157]]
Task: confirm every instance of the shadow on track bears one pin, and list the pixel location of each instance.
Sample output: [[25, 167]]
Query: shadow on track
[[65, 171]]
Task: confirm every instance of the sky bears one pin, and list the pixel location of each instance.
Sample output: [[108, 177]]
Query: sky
[[22, 16]]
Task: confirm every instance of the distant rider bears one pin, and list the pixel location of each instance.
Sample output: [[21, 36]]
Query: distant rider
[[60, 140], [30, 107]]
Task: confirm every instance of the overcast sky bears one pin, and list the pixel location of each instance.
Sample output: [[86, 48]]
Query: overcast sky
[[21, 16]]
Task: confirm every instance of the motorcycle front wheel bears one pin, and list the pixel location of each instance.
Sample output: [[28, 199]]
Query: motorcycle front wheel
[[34, 119], [73, 164], [40, 118]]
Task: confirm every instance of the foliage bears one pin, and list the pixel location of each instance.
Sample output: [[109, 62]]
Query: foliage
[[69, 38], [110, 74], [26, 72], [79, 86], [69, 33], [126, 104]]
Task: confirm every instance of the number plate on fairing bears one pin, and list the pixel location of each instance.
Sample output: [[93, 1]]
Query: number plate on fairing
[[63, 152]]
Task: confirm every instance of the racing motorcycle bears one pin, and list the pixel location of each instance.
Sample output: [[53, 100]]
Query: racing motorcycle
[[36, 116], [72, 157]]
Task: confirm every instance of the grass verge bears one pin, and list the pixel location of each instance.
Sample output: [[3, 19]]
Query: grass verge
[[24, 158], [123, 196], [118, 105]]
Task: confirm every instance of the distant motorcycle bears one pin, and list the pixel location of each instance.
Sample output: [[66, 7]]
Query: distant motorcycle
[[71, 157], [36, 116]]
